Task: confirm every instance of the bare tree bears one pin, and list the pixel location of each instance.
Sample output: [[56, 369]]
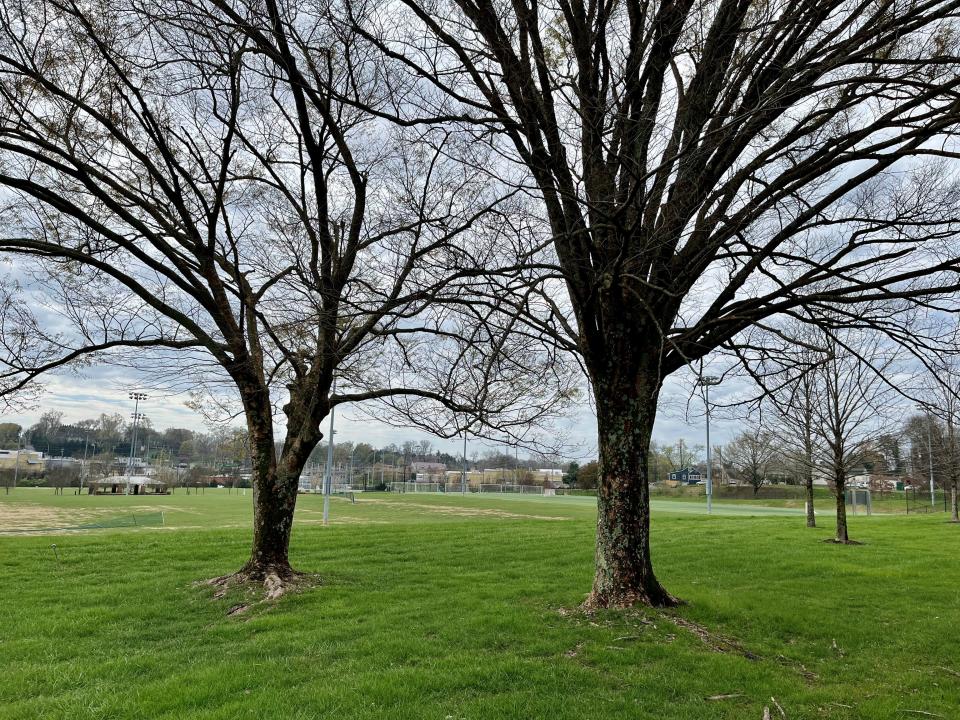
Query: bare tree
[[189, 187], [751, 454], [790, 392], [943, 403], [60, 477], [699, 167], [853, 392]]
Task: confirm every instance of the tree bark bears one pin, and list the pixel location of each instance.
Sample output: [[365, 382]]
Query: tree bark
[[808, 482], [954, 510], [624, 572], [275, 482], [953, 469], [842, 535], [274, 502]]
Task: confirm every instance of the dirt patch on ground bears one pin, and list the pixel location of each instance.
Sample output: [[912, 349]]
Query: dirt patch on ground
[[25, 517], [459, 511], [31, 519], [315, 517]]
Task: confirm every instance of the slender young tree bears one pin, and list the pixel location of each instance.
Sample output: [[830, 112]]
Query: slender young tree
[[789, 389], [853, 392], [188, 188], [943, 403], [699, 167], [797, 416], [751, 454]]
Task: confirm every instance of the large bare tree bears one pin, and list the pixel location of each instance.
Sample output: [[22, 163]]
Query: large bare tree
[[187, 187], [699, 166]]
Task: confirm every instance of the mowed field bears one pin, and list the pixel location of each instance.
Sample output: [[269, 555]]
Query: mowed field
[[448, 607]]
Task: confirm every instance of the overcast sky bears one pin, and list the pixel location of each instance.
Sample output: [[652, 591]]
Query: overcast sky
[[105, 389]]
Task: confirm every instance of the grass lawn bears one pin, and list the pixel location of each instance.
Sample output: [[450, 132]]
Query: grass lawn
[[448, 608]]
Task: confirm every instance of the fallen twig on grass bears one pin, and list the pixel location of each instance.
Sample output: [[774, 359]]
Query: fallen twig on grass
[[921, 712], [779, 708], [949, 671], [728, 696], [808, 675]]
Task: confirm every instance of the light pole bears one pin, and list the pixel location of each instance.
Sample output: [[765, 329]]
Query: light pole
[[327, 469], [137, 416], [83, 467], [463, 484], [352, 451], [706, 381], [929, 452], [16, 467]]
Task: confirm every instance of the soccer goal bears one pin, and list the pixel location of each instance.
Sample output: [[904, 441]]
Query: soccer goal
[[858, 500]]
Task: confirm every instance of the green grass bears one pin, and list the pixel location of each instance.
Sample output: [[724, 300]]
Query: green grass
[[448, 608]]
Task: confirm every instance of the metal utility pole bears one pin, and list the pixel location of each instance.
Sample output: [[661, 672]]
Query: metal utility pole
[[463, 484], [929, 452], [706, 381], [16, 467], [327, 470], [136, 397], [516, 465], [83, 467]]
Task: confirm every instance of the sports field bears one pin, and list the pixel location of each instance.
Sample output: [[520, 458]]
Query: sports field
[[448, 607]]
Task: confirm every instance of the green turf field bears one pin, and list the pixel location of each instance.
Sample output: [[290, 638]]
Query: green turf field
[[452, 608]]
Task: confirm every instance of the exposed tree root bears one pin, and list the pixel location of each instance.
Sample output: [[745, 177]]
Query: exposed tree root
[[834, 541], [626, 599], [261, 584], [714, 641]]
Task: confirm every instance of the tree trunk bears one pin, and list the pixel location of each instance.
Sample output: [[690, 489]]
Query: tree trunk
[[624, 572], [274, 501], [275, 484], [811, 517], [842, 535], [954, 514]]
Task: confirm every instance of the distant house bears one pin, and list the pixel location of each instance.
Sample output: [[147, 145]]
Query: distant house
[[685, 476], [30, 461]]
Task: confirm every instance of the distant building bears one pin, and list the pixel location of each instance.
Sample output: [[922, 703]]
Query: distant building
[[123, 485], [62, 462], [137, 465], [30, 461], [429, 472], [685, 476], [554, 476]]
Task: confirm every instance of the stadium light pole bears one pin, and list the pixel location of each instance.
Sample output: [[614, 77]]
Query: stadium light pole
[[327, 469], [136, 397], [926, 411], [706, 381]]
